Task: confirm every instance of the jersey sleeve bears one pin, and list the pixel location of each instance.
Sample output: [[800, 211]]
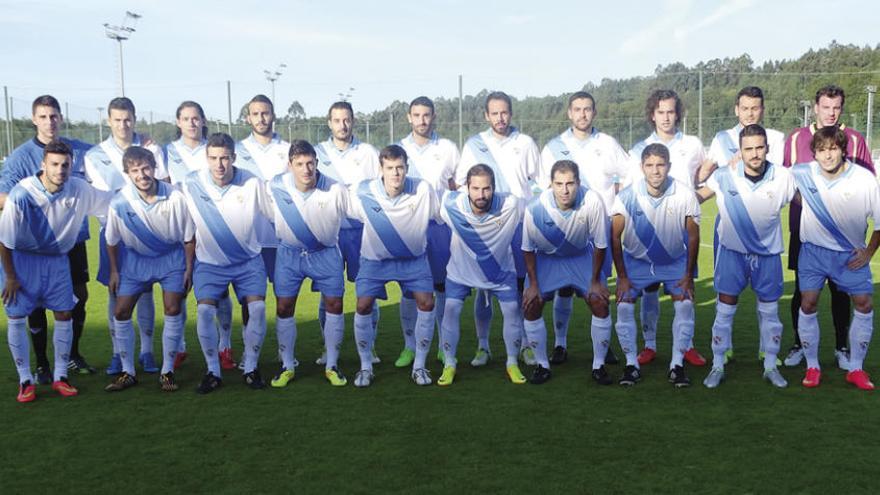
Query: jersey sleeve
[[692, 207], [373, 171], [12, 173], [96, 202], [715, 152], [620, 163], [547, 161], [598, 221], [10, 220], [786, 153], [159, 155], [617, 207], [465, 163], [528, 244], [533, 160], [264, 200], [862, 155], [354, 209], [112, 229]]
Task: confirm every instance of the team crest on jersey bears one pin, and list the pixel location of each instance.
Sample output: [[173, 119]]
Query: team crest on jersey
[[322, 204], [412, 208], [437, 157], [769, 194], [281, 156], [499, 222], [239, 198], [67, 202], [847, 195], [516, 151], [681, 153], [598, 152], [669, 210]]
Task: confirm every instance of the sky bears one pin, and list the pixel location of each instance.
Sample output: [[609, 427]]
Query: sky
[[381, 51]]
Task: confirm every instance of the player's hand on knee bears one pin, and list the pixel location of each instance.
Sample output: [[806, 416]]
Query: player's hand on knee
[[624, 290], [600, 292], [686, 284], [187, 282], [113, 283], [531, 299], [10, 290]]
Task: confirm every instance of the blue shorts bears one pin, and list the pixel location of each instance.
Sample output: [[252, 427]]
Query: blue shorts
[[139, 273], [294, 265], [45, 283], [519, 262], [558, 272], [248, 278], [815, 264], [104, 258], [734, 271], [413, 275], [455, 290], [268, 255], [350, 246], [643, 274], [608, 262], [439, 238]]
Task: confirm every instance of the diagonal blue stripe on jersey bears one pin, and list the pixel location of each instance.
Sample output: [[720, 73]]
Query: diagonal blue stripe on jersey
[[35, 218], [488, 264], [559, 149], [381, 223], [136, 225], [481, 151], [739, 213], [643, 228], [292, 215], [728, 147], [810, 193], [220, 231], [548, 227]]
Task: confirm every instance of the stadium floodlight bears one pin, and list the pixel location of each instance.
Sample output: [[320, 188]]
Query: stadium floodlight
[[273, 75], [120, 33]]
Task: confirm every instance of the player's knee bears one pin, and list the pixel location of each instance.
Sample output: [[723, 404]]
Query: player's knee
[[172, 308], [333, 305], [809, 305], [532, 314], [364, 306], [123, 313], [863, 304], [599, 307], [424, 301]]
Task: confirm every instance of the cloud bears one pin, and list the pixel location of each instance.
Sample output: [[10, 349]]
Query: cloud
[[724, 11], [645, 39]]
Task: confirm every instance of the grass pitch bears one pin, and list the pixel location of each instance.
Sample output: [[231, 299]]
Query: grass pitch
[[481, 435]]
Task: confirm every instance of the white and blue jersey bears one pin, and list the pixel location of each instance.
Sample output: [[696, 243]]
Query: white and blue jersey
[[549, 230], [655, 228], [515, 159], [602, 163], [264, 161], [307, 221], [224, 216], [150, 230], [394, 228], [434, 162], [180, 159], [37, 221], [685, 153], [749, 212], [351, 166], [26, 160], [835, 213], [481, 244], [725, 145], [104, 169]]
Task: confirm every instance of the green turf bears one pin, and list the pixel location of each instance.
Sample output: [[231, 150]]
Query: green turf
[[482, 435]]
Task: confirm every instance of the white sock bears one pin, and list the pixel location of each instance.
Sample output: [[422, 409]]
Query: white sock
[[334, 329], [512, 329], [207, 332], [562, 307], [254, 333], [146, 320], [183, 318], [722, 330], [537, 333], [61, 341], [125, 338], [111, 317], [626, 332], [363, 336], [285, 328], [600, 333], [451, 331], [224, 322], [771, 332], [20, 347], [482, 318], [808, 329], [439, 308], [682, 331], [424, 334], [408, 321], [860, 333], [172, 333], [649, 314]]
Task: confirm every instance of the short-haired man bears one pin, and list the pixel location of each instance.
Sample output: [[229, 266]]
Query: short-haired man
[[223, 202], [26, 161], [828, 108], [749, 110], [655, 239], [564, 242], [39, 225], [664, 111], [483, 225], [395, 211], [838, 198], [749, 239], [105, 170], [603, 165], [347, 160], [308, 209], [264, 154], [433, 159], [151, 219], [515, 161]]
